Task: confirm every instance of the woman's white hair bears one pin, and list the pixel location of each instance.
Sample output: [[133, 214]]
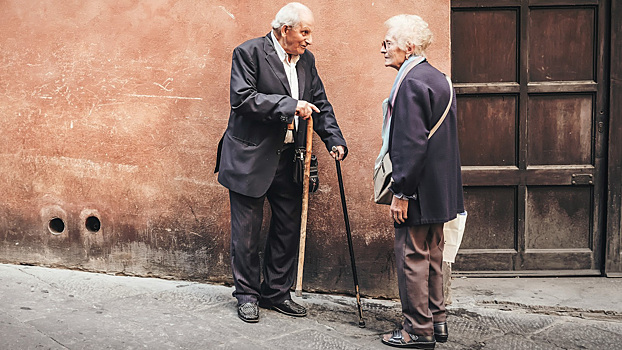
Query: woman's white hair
[[410, 31], [289, 15]]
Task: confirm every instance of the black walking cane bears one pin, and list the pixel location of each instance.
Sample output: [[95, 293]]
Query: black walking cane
[[349, 234]]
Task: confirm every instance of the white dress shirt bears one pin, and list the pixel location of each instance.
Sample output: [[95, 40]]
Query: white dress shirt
[[289, 64]]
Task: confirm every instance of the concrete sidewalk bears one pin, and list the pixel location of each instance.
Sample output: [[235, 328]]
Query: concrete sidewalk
[[44, 308]]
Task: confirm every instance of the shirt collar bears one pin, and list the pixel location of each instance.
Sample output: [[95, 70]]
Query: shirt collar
[[281, 52]]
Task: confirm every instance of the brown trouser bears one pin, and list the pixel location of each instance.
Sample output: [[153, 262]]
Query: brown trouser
[[419, 260]]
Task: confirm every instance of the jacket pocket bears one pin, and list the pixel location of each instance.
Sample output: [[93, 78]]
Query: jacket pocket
[[247, 143]]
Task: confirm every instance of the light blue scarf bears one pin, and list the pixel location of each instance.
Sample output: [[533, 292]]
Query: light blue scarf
[[387, 104]]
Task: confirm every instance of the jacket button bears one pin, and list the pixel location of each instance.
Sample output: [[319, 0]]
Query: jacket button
[[283, 118], [278, 152]]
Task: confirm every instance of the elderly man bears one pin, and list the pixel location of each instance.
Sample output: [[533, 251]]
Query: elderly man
[[274, 90]]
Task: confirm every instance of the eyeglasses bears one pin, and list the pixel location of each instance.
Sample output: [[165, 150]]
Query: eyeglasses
[[386, 44]]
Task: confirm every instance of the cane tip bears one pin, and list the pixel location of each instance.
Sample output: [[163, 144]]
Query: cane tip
[[299, 293], [361, 324]]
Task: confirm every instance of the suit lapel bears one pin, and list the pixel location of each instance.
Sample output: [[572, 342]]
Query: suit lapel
[[275, 63], [300, 70], [300, 137]]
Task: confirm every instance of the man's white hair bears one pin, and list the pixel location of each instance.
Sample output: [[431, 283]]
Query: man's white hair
[[410, 30], [289, 15]]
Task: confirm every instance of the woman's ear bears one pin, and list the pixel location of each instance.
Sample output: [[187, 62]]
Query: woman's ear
[[410, 50]]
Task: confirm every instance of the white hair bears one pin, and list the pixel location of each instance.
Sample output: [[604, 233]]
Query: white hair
[[410, 31], [289, 15]]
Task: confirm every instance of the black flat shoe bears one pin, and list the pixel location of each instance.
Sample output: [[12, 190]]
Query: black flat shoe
[[287, 307], [416, 341], [440, 332], [248, 312]]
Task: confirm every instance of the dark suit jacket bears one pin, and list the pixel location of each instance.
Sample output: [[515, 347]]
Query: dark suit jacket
[[261, 108], [426, 168]]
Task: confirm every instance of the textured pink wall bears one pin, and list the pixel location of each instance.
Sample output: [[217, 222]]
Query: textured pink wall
[[113, 110]]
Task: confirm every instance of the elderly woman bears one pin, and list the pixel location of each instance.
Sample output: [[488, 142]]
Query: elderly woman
[[427, 187]]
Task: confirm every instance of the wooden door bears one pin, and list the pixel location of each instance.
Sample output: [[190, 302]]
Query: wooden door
[[531, 85]]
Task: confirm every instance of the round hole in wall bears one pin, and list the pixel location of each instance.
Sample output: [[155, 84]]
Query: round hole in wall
[[93, 224], [56, 226]]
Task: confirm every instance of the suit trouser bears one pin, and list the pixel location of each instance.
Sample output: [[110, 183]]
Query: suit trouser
[[419, 259], [281, 249]]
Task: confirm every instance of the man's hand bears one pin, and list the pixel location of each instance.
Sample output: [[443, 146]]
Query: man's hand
[[399, 209], [338, 152], [304, 109]]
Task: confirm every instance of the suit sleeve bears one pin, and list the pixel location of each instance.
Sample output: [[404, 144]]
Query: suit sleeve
[[324, 123], [409, 136], [247, 101]]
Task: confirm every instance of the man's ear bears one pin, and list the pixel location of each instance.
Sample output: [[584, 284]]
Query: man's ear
[[284, 30]]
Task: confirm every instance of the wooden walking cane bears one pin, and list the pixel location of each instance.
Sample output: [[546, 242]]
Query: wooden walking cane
[[305, 206]]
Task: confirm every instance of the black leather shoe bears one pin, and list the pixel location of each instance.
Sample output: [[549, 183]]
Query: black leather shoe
[[248, 312], [440, 332], [287, 307], [416, 341]]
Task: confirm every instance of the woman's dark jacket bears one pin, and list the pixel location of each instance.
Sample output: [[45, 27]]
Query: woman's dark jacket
[[426, 170]]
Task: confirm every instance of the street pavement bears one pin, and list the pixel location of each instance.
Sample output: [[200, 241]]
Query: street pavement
[[44, 308]]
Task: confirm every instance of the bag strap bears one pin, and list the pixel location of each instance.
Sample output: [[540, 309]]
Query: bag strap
[[440, 121]]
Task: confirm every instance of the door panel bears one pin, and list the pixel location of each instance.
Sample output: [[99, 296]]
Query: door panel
[[559, 217], [497, 48], [488, 210], [559, 129], [561, 44], [530, 91], [491, 121]]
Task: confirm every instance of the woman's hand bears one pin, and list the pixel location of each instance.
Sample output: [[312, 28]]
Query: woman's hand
[[399, 209]]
